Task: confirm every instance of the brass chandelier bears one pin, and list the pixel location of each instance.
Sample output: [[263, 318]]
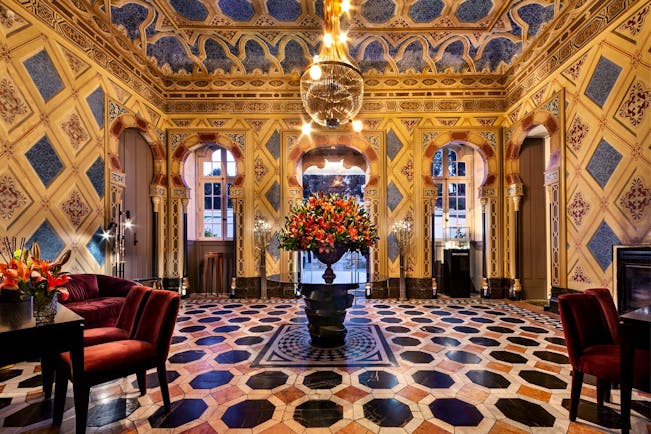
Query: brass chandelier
[[332, 87]]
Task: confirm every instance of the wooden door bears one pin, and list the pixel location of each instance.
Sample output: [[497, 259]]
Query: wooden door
[[533, 251], [138, 165]]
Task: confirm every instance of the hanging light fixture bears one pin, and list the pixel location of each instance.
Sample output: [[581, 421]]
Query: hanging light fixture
[[332, 87]]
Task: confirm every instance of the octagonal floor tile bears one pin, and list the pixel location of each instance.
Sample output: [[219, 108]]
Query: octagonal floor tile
[[322, 380], [249, 413], [378, 379], [525, 412], [463, 357], [508, 357], [456, 412], [186, 356], [550, 356], [318, 413], [109, 411], [405, 341], [433, 379], [233, 356], [267, 380], [210, 380], [182, 412], [543, 379], [387, 412], [417, 357], [488, 379]]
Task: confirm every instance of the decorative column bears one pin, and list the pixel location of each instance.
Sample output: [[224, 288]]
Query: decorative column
[[402, 231], [261, 238], [516, 291], [484, 277]]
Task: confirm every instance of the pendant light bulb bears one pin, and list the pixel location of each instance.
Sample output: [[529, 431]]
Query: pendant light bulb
[[358, 126], [315, 72], [328, 40], [306, 128]]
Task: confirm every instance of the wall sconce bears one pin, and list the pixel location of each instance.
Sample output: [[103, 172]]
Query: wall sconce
[[261, 238], [402, 231]]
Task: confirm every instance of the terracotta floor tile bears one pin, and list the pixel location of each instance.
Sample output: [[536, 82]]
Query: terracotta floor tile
[[534, 393]]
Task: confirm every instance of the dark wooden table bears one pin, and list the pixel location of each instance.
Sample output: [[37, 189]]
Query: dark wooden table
[[22, 339], [634, 332]]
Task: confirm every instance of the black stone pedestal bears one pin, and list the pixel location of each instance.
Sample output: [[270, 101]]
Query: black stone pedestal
[[325, 307]]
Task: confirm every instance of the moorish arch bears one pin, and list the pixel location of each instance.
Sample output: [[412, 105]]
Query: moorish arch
[[179, 193], [374, 190], [554, 182], [484, 144], [158, 186]]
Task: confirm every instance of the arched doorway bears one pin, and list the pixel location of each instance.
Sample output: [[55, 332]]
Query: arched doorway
[[136, 222], [340, 170], [533, 258], [457, 220], [210, 171]]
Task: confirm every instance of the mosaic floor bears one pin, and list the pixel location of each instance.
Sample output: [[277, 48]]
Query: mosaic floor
[[447, 365]]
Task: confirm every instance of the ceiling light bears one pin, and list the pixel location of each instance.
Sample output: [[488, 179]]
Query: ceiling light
[[334, 96]]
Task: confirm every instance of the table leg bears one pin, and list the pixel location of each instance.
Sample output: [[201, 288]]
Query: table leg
[[47, 373], [80, 389], [626, 363]]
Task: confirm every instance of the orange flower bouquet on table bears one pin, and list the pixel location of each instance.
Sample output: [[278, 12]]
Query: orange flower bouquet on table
[[328, 225], [29, 275]]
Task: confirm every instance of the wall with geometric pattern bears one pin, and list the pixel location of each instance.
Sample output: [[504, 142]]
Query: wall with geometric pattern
[[53, 158], [607, 152], [56, 105]]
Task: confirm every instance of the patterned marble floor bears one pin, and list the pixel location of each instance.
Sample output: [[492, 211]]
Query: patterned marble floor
[[432, 366]]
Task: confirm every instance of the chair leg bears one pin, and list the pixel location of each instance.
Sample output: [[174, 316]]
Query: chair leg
[[162, 380], [603, 392], [141, 376], [60, 392], [575, 396]]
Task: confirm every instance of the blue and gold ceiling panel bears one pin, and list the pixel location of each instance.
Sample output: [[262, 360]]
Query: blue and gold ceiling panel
[[190, 40]]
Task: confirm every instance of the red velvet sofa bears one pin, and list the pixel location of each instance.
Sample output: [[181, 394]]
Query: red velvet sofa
[[97, 298]]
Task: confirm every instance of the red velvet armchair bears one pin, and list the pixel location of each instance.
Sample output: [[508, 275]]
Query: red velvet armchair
[[112, 360], [592, 349]]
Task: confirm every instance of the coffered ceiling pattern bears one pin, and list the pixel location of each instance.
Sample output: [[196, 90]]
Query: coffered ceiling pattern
[[198, 40]]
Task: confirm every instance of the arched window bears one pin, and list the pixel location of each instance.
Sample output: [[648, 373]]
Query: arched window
[[217, 170], [452, 174]]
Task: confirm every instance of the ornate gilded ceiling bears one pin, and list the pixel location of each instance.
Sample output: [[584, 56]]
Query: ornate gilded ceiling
[[195, 40]]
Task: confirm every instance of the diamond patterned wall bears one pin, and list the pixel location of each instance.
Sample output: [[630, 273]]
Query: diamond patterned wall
[[603, 163], [52, 141], [44, 160], [44, 74]]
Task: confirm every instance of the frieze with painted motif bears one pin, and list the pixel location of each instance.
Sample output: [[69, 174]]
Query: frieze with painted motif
[[636, 199], [11, 104], [11, 198], [635, 104], [578, 209]]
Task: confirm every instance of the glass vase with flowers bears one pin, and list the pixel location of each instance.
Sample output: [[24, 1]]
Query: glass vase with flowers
[[328, 225], [24, 274]]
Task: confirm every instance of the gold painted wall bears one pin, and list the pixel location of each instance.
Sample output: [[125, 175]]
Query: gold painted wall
[[607, 152], [54, 113], [65, 204]]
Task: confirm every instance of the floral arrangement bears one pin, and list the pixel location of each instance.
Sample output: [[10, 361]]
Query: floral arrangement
[[29, 275], [326, 222]]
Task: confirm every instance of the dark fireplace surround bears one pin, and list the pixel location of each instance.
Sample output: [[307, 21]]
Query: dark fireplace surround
[[632, 276]]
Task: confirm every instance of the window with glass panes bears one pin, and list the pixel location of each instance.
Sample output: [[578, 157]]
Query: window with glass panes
[[218, 170], [450, 174]]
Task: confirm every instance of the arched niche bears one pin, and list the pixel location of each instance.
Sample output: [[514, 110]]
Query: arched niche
[[554, 184], [158, 187], [484, 143], [368, 146], [180, 190]]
